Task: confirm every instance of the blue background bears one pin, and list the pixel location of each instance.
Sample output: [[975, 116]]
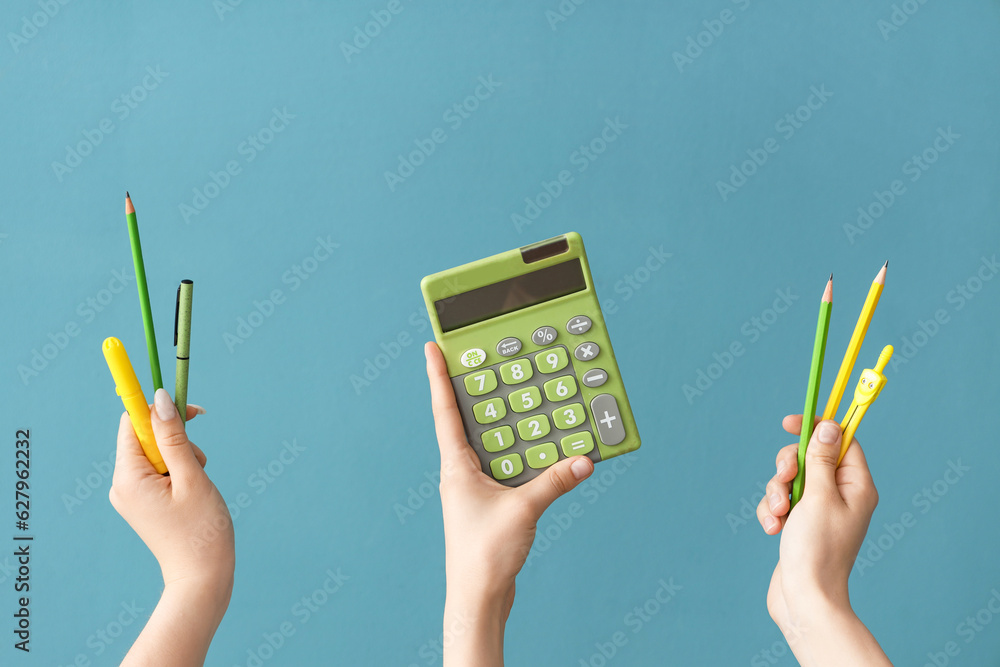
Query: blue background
[[369, 451]]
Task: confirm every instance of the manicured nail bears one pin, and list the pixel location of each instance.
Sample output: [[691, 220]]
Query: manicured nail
[[580, 468], [828, 433], [769, 523], [197, 408], [773, 501], [165, 409]]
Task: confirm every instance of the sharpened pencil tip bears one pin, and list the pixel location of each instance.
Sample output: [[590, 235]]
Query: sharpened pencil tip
[[828, 292], [880, 278], [886, 265], [129, 208]]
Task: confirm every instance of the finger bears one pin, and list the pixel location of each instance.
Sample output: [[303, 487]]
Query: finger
[[447, 418], [129, 458], [559, 479], [821, 459], [776, 496], [793, 423], [200, 455], [787, 463], [854, 477], [193, 411], [771, 524], [172, 440]]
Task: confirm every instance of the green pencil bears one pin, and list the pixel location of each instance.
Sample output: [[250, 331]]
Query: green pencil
[[812, 390], [140, 281], [182, 340]]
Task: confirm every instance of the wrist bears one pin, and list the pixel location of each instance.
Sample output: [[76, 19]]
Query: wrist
[[473, 629], [208, 594]]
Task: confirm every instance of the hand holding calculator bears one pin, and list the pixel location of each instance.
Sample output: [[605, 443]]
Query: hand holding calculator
[[530, 360]]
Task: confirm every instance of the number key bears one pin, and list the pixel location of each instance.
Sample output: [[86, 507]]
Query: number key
[[523, 400], [498, 439], [487, 412], [533, 428], [569, 416], [506, 467], [478, 384], [516, 372], [552, 360], [560, 388]]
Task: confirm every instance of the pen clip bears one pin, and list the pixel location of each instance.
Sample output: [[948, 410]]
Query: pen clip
[[177, 311]]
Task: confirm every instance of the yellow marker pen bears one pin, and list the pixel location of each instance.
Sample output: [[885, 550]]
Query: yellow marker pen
[[127, 386], [868, 389]]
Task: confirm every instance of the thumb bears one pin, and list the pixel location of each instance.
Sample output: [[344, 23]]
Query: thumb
[[821, 458], [171, 438], [560, 479]]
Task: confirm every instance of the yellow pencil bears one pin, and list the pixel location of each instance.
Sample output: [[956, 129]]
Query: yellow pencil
[[858, 337]]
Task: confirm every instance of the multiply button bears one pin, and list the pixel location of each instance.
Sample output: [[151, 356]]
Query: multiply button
[[579, 325], [544, 335], [587, 351], [609, 420]]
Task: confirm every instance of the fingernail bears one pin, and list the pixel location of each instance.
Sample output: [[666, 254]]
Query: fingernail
[[769, 523], [773, 501], [197, 408], [580, 468], [165, 409], [828, 433]]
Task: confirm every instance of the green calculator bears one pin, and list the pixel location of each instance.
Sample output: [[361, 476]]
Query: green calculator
[[530, 359]]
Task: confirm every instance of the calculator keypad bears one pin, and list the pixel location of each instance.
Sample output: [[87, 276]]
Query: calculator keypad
[[533, 400]]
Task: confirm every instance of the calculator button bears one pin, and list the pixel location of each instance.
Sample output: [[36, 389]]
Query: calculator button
[[474, 357], [608, 419], [579, 325], [560, 388], [542, 456], [595, 377], [478, 384], [552, 360], [498, 439], [489, 411], [587, 351], [523, 400], [508, 347], [577, 443], [569, 416], [506, 467], [544, 335], [533, 428], [515, 372]]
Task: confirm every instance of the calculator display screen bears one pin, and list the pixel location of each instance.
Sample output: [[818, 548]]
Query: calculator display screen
[[509, 295]]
